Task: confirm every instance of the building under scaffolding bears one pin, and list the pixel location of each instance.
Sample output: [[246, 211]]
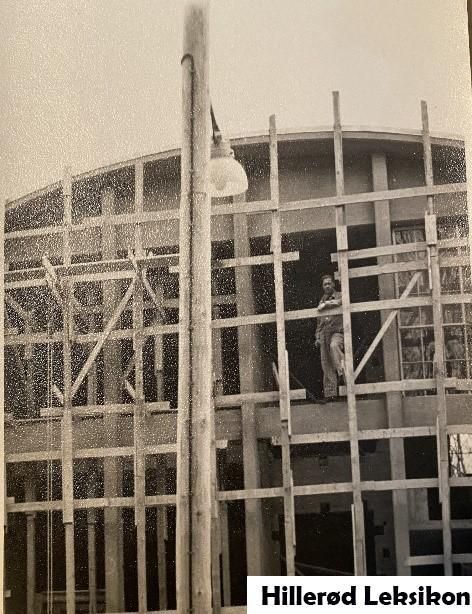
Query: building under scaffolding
[[377, 483]]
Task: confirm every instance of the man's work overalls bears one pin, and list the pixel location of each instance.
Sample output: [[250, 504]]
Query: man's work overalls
[[329, 333]]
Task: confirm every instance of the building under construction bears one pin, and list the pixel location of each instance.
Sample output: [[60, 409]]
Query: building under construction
[[378, 482]]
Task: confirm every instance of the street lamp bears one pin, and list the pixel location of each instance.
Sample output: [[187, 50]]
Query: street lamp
[[226, 176]]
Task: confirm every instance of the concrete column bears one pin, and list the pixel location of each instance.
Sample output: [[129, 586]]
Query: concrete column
[[114, 590], [391, 360], [247, 347]]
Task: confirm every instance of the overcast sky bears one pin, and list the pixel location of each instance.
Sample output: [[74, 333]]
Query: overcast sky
[[91, 82]]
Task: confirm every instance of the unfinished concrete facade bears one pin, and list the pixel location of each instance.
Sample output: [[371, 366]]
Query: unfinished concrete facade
[[379, 483]]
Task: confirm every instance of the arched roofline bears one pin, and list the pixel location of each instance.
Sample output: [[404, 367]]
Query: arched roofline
[[361, 133]]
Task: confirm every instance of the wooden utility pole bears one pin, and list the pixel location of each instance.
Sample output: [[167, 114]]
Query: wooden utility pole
[[469, 23], [195, 404]]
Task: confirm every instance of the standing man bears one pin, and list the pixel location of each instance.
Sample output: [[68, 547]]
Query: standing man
[[330, 339]]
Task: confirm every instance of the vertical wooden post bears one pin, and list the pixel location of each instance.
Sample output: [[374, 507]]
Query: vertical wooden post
[[67, 436], [391, 362], [217, 355], [248, 357], [440, 365], [91, 489], [195, 413], [112, 472], [276, 240], [30, 495], [215, 521], [217, 362], [3, 512], [343, 266], [29, 372], [139, 415], [92, 374], [159, 350], [161, 521], [91, 549], [183, 509], [225, 560]]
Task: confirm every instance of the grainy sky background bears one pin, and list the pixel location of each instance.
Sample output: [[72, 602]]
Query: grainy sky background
[[91, 82]]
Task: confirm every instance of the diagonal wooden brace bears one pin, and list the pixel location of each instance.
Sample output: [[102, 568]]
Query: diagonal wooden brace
[[53, 281], [142, 271], [391, 317], [18, 309], [55, 285], [103, 337], [129, 367]]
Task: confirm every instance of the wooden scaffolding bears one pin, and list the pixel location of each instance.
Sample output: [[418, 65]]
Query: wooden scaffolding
[[132, 271]]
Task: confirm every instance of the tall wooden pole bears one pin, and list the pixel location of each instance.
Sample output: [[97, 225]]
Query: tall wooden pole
[[439, 357], [195, 414], [343, 267], [3, 513], [67, 424]]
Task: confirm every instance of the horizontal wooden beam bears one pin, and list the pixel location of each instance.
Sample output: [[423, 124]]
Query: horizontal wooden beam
[[233, 400], [401, 248], [370, 197], [404, 267], [407, 303], [313, 312], [253, 207], [229, 263], [98, 452], [96, 503], [460, 481], [85, 411], [332, 488], [83, 271], [391, 433], [387, 268], [398, 386], [437, 559], [436, 525], [86, 338], [382, 250], [236, 609]]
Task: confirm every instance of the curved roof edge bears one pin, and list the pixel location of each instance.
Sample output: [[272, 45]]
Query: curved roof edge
[[256, 137]]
